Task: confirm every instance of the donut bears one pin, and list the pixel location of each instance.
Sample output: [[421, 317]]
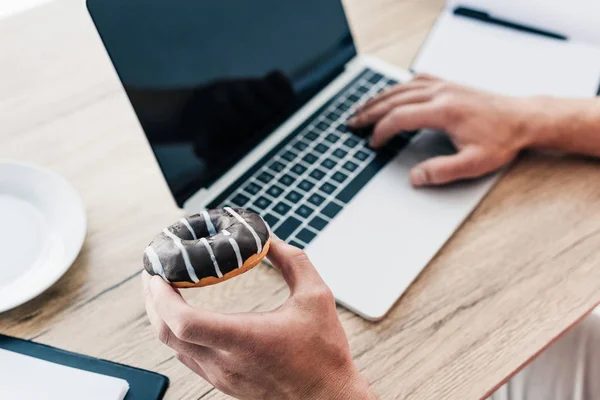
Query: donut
[[208, 248]]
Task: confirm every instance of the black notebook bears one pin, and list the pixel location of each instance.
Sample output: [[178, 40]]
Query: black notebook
[[143, 385]]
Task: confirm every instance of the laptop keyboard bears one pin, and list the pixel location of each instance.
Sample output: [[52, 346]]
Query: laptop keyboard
[[302, 184]]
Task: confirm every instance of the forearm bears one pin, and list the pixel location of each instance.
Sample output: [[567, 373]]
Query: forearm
[[569, 125]]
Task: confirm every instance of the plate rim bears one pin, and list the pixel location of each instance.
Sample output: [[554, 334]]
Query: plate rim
[[70, 258]]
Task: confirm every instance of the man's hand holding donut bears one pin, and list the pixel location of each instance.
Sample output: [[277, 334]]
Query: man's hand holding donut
[[298, 351]]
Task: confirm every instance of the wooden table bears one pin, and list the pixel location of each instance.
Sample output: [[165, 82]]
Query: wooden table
[[524, 267]]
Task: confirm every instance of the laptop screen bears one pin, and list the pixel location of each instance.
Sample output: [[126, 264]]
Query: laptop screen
[[209, 80]]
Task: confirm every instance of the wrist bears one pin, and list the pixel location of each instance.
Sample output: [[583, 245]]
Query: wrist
[[355, 389], [562, 124], [538, 121], [348, 385]]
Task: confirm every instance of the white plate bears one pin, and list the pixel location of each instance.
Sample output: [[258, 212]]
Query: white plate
[[42, 229]]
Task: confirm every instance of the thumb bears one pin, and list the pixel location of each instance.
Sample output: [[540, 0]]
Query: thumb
[[297, 270], [467, 163]]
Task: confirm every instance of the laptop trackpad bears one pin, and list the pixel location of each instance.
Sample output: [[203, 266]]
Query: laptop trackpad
[[371, 252]]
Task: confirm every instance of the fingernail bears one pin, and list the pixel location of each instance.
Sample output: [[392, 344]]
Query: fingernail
[[419, 177], [352, 121]]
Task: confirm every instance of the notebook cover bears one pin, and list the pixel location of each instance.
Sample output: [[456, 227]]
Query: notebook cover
[[143, 385]]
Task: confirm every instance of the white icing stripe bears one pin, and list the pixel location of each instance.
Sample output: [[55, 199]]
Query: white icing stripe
[[212, 257], [243, 221], [236, 249], [209, 224], [184, 253], [187, 225], [155, 261]]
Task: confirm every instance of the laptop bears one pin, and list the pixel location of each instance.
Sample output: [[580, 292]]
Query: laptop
[[245, 105]]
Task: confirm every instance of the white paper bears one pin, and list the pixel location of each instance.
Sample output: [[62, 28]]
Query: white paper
[[508, 61], [576, 19], [11, 7], [27, 378]]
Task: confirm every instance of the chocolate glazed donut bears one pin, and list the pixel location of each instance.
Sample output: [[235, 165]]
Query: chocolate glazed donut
[[208, 248]]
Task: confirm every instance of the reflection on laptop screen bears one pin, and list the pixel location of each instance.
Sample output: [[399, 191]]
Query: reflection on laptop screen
[[209, 80]]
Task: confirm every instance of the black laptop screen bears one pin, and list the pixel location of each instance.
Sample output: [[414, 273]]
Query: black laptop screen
[[210, 79]]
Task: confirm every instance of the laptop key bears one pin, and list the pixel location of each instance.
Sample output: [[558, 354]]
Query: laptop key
[[321, 148], [344, 106], [289, 156], [331, 210], [300, 146], [274, 191], [375, 78], [353, 98], [334, 115], [327, 188], [318, 223], [252, 188], [351, 142], [287, 180], [262, 202], [281, 208], [350, 166], [339, 153], [277, 166], [271, 220], [306, 236], [317, 174], [310, 158], [240, 200], [339, 177], [361, 155], [311, 136], [296, 244], [304, 211], [322, 126], [305, 185], [332, 138], [316, 199], [343, 128], [298, 169], [328, 163], [265, 177], [287, 227], [293, 196], [361, 90]]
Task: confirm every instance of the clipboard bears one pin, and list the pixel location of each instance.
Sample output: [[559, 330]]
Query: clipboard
[[143, 385]]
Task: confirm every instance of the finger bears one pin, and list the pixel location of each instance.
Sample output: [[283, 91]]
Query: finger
[[297, 270], [406, 118], [374, 113], [155, 321], [468, 163], [193, 365], [146, 279], [425, 77], [168, 337], [201, 327], [392, 91]]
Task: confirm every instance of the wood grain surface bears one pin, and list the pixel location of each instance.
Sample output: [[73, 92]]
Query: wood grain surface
[[524, 267]]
